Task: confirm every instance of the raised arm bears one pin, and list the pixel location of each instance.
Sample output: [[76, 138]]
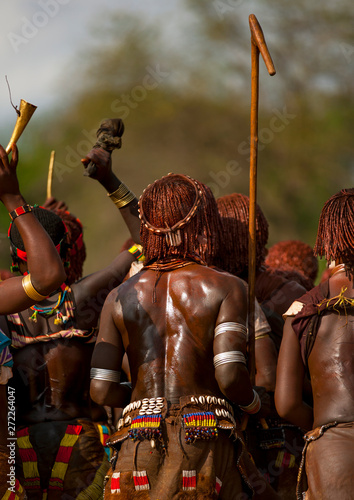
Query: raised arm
[[289, 385], [46, 271], [121, 196]]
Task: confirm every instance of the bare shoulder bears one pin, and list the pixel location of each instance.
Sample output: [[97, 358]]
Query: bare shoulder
[[213, 276], [230, 281]]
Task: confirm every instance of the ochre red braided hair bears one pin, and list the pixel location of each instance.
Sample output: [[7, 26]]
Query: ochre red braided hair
[[76, 253], [294, 254], [335, 235], [234, 212], [168, 201]]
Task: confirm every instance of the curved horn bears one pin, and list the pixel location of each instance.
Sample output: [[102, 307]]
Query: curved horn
[[25, 112]]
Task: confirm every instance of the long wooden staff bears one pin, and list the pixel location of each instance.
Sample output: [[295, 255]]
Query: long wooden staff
[[258, 45], [50, 174]]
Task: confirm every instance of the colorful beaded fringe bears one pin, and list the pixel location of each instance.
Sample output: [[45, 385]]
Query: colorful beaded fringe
[[145, 427], [200, 425]]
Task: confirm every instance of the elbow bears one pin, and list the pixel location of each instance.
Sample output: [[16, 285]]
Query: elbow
[[225, 381], [283, 412], [48, 281], [229, 381], [285, 408], [97, 394]]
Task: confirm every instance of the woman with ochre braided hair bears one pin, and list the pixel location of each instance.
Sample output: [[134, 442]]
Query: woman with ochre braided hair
[[294, 258], [271, 440], [275, 293], [319, 340], [182, 325], [45, 273]]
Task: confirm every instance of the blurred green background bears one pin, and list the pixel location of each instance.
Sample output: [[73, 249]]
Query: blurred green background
[[186, 110]]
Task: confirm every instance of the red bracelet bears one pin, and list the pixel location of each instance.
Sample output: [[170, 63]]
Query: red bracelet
[[24, 209]]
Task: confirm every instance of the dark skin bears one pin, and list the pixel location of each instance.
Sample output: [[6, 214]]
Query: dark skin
[[52, 378], [330, 365], [266, 355], [170, 344], [281, 299], [266, 359], [266, 362], [44, 263], [41, 254]]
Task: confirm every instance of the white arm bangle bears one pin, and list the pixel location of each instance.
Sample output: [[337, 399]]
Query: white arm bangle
[[253, 407], [229, 357], [230, 326], [104, 374]]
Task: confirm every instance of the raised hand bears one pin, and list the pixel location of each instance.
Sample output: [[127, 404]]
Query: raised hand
[[102, 160], [52, 203]]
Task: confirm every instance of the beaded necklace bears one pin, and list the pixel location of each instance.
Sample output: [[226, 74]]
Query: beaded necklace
[[170, 265], [50, 310]]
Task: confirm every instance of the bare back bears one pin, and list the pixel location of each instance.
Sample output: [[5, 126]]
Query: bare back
[[52, 382], [331, 362], [167, 323]]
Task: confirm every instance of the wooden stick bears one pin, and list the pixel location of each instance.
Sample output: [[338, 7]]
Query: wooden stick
[[50, 174], [258, 45]]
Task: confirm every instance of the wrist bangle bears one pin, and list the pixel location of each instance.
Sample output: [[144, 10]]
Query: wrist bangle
[[24, 209], [253, 407], [121, 196], [29, 289], [137, 251]]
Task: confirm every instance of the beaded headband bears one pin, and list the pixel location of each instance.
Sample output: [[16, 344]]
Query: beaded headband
[[173, 234]]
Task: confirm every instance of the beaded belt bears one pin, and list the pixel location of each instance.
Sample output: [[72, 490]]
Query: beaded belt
[[202, 416]]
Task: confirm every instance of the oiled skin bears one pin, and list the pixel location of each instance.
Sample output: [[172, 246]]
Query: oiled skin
[[329, 456], [170, 343], [331, 366], [331, 362]]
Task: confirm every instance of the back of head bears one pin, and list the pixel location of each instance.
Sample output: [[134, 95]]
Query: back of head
[[179, 219], [293, 274], [65, 230], [234, 212], [51, 222], [335, 235], [293, 254]]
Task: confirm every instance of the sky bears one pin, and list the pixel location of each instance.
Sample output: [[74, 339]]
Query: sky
[[40, 37]]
